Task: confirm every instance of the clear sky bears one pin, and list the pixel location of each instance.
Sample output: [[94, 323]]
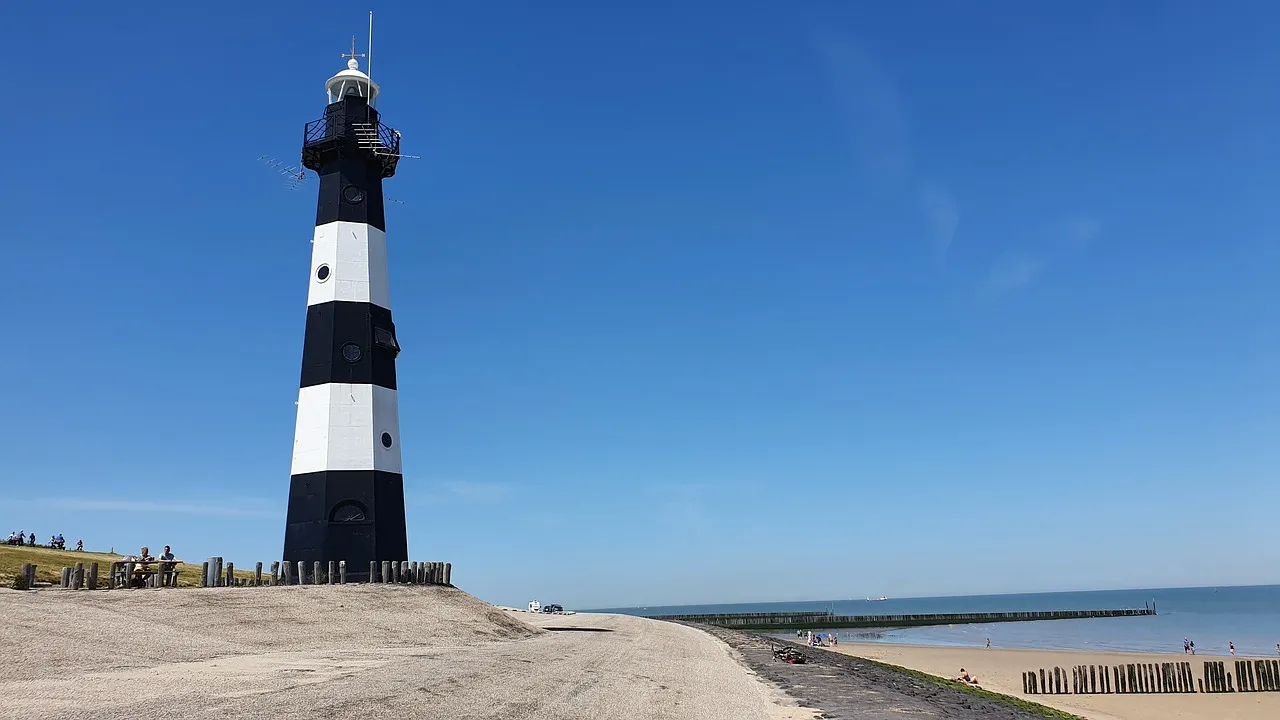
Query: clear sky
[[700, 302]]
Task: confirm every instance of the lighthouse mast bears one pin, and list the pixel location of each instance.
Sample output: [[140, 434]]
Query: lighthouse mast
[[346, 490]]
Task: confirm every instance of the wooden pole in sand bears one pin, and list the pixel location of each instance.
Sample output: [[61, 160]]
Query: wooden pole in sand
[[287, 575], [93, 576], [413, 570], [302, 572], [386, 571], [257, 574], [315, 573], [333, 573], [231, 574], [275, 573], [373, 571], [217, 571], [342, 571]]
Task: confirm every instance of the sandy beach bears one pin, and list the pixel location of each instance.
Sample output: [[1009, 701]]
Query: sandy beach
[[357, 651], [1001, 670]]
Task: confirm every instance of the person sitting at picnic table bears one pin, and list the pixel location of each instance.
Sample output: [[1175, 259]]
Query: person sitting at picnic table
[[166, 568], [143, 568]]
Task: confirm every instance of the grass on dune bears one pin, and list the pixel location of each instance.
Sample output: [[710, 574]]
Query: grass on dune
[[49, 564], [1034, 708]]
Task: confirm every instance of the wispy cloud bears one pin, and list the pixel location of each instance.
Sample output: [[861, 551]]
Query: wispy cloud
[[141, 506], [942, 214], [1013, 272], [461, 492], [1020, 268], [881, 130], [1081, 232], [881, 133]]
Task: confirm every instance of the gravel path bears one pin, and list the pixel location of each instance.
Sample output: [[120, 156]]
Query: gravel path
[[847, 687]]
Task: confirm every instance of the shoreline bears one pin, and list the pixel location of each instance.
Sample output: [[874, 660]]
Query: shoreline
[[1073, 651], [1000, 670]]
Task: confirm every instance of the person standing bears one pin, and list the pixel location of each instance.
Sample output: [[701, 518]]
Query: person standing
[[1232, 647], [988, 643]]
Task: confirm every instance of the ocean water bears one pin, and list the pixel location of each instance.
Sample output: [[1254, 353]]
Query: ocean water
[[1247, 616]]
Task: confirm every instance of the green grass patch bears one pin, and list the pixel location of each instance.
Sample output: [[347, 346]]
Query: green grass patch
[[1025, 705], [49, 564]]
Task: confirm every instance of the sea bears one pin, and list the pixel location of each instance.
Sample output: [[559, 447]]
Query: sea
[[1210, 617]]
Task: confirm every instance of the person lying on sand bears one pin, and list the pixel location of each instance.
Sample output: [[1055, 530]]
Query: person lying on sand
[[965, 677]]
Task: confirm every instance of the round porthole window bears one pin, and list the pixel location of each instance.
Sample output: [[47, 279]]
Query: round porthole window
[[322, 273], [386, 440], [352, 353], [353, 194]]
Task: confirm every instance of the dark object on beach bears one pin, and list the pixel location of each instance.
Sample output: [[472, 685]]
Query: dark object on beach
[[789, 655], [552, 608]]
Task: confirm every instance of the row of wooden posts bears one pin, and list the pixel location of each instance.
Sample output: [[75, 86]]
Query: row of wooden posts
[[1170, 677], [215, 573]]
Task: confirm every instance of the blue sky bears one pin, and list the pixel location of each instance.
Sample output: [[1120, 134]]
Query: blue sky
[[709, 303]]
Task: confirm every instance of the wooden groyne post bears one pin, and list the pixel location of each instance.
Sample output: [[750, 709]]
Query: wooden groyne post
[[1130, 678]]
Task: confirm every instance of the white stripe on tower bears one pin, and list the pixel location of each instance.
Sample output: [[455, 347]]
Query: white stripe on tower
[[356, 255]]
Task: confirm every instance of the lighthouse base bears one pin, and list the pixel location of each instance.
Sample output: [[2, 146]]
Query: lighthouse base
[[352, 515]]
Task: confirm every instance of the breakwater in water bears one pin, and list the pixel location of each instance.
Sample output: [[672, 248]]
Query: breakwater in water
[[824, 620]]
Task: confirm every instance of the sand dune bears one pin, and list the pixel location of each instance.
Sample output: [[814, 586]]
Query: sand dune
[[356, 651]]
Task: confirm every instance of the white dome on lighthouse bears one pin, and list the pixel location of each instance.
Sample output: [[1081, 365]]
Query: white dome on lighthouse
[[351, 82]]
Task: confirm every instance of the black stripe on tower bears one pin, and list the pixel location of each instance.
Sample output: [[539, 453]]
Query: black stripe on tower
[[349, 342], [337, 148], [351, 191], [333, 515]]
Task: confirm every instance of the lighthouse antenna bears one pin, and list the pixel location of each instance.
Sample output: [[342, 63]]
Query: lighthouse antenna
[[368, 66]]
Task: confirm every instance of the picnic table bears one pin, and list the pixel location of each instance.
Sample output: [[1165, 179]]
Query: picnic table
[[151, 573]]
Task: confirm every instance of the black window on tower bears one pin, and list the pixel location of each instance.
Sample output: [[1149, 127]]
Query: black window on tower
[[349, 511], [385, 338]]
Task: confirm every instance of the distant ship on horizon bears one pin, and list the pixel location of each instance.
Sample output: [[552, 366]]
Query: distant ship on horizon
[[882, 597]]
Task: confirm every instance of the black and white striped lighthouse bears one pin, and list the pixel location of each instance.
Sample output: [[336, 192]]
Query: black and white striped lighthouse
[[346, 493]]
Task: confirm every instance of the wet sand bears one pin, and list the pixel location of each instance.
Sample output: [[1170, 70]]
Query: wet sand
[[1001, 670]]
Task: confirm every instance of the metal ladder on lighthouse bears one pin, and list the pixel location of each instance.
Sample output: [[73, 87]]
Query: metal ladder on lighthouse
[[367, 139]]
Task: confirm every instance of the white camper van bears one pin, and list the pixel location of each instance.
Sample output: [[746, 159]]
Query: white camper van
[[535, 606]]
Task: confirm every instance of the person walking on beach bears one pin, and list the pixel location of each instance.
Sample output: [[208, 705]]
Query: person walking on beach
[[1186, 646], [1232, 646], [988, 643], [1193, 647]]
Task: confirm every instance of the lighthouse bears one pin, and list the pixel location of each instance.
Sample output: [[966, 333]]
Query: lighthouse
[[346, 490]]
